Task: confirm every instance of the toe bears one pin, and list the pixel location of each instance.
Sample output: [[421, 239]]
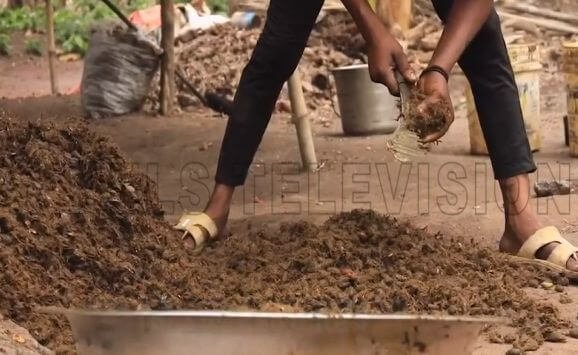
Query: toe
[[544, 253], [573, 264], [188, 241]]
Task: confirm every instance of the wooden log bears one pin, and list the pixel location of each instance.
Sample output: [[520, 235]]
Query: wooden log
[[168, 60], [301, 121], [553, 25], [525, 26], [263, 5], [417, 32], [541, 11], [509, 39], [51, 46]]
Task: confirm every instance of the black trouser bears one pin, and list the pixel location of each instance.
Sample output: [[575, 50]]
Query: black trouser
[[280, 47]]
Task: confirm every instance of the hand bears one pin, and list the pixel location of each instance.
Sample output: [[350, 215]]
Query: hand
[[385, 56], [435, 87]]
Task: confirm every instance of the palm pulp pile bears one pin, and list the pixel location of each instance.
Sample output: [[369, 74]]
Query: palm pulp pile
[[80, 228], [213, 61]]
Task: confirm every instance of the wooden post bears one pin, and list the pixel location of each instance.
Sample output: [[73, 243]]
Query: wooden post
[[402, 14], [301, 121], [168, 59], [51, 46], [393, 12]]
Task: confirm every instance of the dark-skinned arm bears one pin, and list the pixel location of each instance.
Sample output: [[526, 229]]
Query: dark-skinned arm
[[385, 54], [464, 21]]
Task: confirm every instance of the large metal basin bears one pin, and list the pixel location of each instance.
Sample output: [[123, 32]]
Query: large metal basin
[[240, 333]]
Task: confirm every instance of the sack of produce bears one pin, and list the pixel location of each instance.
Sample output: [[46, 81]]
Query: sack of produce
[[118, 70]]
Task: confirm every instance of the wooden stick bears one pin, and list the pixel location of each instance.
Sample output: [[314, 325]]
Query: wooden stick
[[168, 60], [541, 11], [553, 25], [302, 124], [262, 5], [51, 46]]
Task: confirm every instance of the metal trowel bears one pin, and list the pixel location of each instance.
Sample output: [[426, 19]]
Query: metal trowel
[[405, 144]]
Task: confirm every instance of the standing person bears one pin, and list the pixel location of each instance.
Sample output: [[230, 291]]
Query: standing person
[[472, 37]]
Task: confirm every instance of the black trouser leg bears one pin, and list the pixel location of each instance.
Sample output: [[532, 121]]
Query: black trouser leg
[[487, 66], [276, 55]]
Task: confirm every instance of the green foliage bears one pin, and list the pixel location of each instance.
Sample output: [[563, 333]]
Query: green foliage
[[4, 45], [72, 30], [218, 5], [21, 19], [34, 47], [72, 23]]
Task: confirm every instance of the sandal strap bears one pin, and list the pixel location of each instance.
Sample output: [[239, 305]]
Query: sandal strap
[[561, 254], [539, 239], [200, 221]]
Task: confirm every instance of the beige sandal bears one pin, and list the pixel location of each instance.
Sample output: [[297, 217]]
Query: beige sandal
[[558, 258], [200, 227]]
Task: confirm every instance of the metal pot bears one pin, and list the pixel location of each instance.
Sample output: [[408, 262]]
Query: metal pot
[[365, 107]]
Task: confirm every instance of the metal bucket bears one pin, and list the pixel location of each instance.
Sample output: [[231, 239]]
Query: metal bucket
[[525, 60], [365, 107], [570, 68], [248, 333], [246, 20]]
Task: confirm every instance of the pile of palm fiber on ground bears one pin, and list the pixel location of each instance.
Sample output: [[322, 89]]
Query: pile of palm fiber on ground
[[213, 61], [80, 228]]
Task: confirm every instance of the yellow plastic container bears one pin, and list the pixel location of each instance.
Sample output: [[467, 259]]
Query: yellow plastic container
[[570, 68], [525, 59]]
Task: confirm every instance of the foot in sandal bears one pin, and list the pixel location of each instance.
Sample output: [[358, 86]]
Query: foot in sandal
[[527, 238], [198, 228]]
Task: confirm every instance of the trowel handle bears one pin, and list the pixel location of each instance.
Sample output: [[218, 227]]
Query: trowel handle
[[404, 88]]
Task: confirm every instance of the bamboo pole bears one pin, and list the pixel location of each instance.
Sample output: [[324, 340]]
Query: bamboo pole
[[168, 59], [301, 121], [51, 46]]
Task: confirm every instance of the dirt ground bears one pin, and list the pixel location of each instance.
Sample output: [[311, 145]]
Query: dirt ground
[[448, 190], [25, 75], [15, 340]]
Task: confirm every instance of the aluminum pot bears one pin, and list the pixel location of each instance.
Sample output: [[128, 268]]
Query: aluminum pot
[[365, 107]]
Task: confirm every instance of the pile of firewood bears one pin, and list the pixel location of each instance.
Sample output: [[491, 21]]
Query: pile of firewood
[[522, 22], [538, 20]]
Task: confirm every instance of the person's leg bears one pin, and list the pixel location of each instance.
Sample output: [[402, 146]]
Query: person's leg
[[276, 55], [487, 66]]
